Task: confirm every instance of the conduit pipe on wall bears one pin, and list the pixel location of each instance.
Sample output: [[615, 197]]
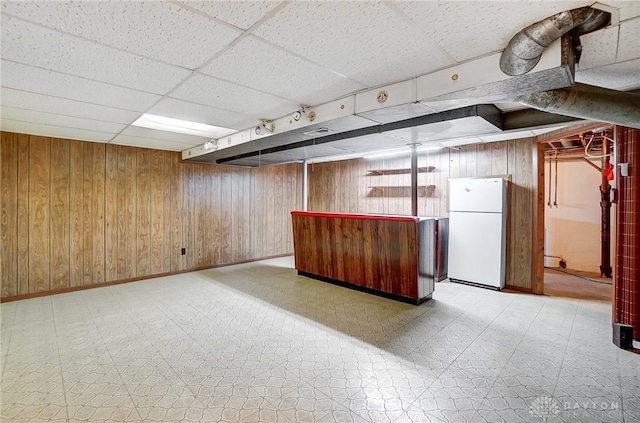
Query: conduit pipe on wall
[[525, 48]]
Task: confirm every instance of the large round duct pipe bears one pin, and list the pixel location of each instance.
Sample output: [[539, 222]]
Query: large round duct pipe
[[588, 102], [525, 48]]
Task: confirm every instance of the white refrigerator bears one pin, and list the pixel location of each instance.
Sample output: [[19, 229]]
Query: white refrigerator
[[477, 231]]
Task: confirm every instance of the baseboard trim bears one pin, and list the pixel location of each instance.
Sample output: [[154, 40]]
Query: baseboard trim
[[136, 279], [364, 289], [518, 289]]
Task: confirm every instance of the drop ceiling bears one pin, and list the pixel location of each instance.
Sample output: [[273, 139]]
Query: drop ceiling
[[87, 70]]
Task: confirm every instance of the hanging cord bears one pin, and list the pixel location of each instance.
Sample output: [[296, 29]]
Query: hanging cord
[[549, 202], [586, 148], [555, 199]]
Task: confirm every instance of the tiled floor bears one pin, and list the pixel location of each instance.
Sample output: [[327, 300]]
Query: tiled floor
[[257, 343]]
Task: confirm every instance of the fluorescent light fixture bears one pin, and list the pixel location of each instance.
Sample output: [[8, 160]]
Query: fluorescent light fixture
[[319, 131], [400, 152], [181, 126]]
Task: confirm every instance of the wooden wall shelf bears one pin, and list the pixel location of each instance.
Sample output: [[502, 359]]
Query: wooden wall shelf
[[400, 191], [378, 172]]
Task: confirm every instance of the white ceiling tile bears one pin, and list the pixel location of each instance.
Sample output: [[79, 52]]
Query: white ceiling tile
[[44, 103], [53, 131], [280, 73], [629, 9], [178, 109], [476, 28], [362, 40], [242, 14], [619, 76], [225, 95], [599, 48], [152, 143], [154, 134], [629, 44], [45, 118], [28, 78], [159, 30], [38, 46]]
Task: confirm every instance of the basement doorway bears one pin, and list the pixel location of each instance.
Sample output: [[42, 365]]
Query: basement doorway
[[578, 257]]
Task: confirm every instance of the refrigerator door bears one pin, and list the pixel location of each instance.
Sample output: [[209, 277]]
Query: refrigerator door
[[477, 195], [476, 249]]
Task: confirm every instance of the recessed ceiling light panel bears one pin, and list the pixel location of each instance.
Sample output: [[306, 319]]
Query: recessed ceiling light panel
[[180, 126]]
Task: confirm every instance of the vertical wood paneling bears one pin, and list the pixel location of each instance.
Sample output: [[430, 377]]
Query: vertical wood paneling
[[157, 212], [9, 214], [23, 214], [59, 221], [123, 213], [177, 212], [234, 211], [245, 212], [271, 210], [499, 158], [79, 213], [87, 209], [76, 213], [472, 158], [167, 235], [143, 212], [225, 222], [523, 215], [277, 205], [216, 212], [484, 160], [39, 213], [111, 213], [98, 212], [511, 221], [200, 214], [131, 217], [442, 185], [208, 216]]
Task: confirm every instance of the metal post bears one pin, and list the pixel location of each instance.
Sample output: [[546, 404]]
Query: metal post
[[605, 204], [305, 185], [414, 180]]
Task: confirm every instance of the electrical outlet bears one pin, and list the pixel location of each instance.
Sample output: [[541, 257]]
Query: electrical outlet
[[183, 251]]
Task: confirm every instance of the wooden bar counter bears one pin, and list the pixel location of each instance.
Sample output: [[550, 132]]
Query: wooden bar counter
[[392, 256]]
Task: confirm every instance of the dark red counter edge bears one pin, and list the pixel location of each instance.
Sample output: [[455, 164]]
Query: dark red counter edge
[[355, 216]]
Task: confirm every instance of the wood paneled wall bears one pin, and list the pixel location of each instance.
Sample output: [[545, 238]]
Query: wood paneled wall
[[76, 213], [346, 187]]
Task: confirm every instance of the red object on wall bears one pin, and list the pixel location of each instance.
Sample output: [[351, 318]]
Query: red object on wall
[[608, 171], [626, 295]]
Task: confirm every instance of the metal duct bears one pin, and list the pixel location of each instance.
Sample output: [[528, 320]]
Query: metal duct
[[525, 48], [588, 102]]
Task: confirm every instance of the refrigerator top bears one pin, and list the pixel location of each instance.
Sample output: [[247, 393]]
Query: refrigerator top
[[481, 195]]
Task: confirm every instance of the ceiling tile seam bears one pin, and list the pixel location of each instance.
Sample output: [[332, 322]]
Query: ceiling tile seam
[[407, 19], [60, 114], [632, 18], [195, 71], [59, 126], [313, 62], [205, 15], [96, 42], [80, 77], [70, 99]]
